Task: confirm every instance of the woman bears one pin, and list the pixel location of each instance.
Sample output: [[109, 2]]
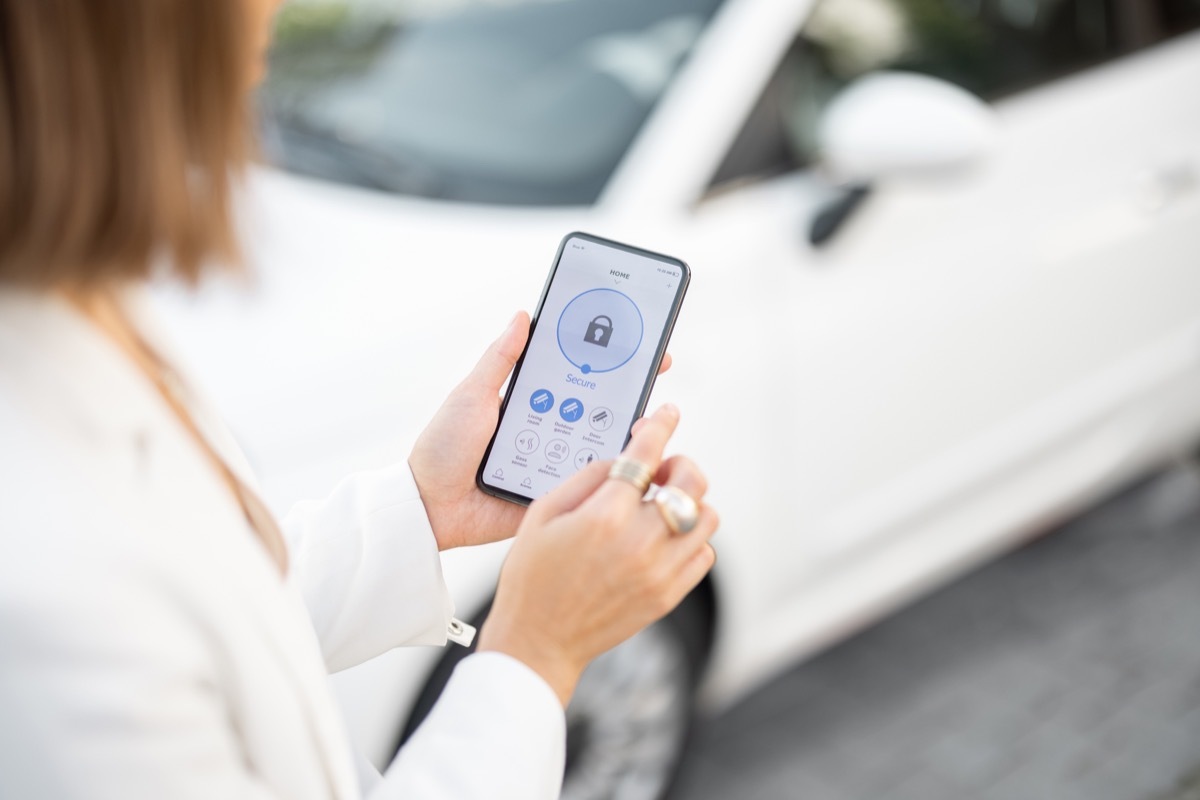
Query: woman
[[160, 635]]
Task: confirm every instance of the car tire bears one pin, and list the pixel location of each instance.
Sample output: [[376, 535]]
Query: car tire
[[630, 719]]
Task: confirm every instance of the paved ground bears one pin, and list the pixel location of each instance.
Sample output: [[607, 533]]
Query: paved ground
[[1069, 669]]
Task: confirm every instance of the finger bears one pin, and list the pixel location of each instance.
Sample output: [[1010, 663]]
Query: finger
[[571, 493], [502, 355], [682, 472], [637, 425], [652, 435], [646, 447], [667, 361]]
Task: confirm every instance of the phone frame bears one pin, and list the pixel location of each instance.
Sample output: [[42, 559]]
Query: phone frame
[[648, 385]]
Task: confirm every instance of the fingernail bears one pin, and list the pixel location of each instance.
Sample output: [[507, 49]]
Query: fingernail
[[512, 324], [669, 408]]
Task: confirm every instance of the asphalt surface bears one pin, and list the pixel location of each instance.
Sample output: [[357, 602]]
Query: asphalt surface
[[1068, 669]]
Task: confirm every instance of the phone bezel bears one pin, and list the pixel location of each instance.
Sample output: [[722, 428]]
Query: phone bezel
[[648, 384]]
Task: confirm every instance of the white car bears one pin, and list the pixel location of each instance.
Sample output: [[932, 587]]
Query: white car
[[922, 326]]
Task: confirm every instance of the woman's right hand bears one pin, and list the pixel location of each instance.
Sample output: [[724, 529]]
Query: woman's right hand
[[592, 564]]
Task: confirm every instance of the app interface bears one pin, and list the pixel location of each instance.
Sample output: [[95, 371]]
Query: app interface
[[579, 386]]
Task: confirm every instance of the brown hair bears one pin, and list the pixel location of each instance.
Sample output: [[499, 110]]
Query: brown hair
[[122, 126]]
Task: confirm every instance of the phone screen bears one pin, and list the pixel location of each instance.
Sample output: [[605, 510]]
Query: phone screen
[[598, 338]]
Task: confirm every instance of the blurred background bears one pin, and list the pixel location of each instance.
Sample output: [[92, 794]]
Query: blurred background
[[940, 359]]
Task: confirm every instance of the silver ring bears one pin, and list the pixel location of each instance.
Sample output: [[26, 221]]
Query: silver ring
[[677, 507], [633, 472]]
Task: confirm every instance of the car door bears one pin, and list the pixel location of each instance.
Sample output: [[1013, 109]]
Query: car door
[[958, 332]]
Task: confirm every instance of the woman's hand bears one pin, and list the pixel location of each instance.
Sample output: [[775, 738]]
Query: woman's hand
[[593, 564], [447, 454]]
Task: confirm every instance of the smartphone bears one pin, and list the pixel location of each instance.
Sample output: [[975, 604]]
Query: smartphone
[[595, 346]]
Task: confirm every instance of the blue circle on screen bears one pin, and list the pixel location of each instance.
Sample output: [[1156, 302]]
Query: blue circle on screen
[[571, 409], [624, 340], [541, 401]]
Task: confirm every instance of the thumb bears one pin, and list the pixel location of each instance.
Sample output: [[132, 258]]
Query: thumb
[[502, 355]]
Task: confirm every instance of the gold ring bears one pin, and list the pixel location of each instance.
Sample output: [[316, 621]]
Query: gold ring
[[677, 507], [632, 472]]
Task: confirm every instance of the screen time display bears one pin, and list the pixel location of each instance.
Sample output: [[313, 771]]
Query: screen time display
[[592, 352]]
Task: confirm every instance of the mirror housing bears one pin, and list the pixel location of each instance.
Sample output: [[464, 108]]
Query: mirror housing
[[897, 124]]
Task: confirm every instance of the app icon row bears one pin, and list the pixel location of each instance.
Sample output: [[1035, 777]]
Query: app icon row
[[571, 409], [557, 451]]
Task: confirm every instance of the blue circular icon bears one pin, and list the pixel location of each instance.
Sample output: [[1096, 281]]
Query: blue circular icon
[[571, 409], [541, 401], [600, 330]]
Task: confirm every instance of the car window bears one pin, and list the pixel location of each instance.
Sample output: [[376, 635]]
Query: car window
[[488, 101], [990, 47]]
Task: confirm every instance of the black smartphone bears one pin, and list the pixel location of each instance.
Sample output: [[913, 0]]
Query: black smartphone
[[597, 340]]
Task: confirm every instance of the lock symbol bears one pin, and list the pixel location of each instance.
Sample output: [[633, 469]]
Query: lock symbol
[[599, 331]]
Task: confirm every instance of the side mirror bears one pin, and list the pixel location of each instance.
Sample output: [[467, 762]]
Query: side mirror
[[895, 124]]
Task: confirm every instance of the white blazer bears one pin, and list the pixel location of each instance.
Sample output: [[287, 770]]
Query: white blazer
[[149, 647]]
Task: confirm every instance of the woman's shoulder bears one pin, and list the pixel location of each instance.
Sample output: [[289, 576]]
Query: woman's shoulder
[[95, 472], [58, 444]]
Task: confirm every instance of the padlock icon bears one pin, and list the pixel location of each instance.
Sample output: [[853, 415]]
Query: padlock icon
[[599, 331]]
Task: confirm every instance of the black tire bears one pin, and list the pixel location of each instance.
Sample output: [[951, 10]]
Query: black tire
[[631, 718]]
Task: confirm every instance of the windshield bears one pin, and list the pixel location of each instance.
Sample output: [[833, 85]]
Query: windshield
[[490, 101]]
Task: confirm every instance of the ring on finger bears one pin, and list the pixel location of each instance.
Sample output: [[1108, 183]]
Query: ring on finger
[[633, 472], [678, 509]]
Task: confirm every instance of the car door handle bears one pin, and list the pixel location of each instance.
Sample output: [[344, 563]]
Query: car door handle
[[1156, 189]]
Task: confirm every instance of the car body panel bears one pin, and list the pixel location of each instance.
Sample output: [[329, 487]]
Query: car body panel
[[969, 359]]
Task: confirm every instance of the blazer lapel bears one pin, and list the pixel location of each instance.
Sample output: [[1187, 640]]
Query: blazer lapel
[[118, 406], [279, 613]]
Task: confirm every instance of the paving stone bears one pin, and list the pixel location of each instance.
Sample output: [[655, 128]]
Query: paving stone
[[1068, 669]]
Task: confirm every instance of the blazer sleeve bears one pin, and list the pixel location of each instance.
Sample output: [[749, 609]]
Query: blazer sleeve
[[111, 690], [366, 563], [498, 731]]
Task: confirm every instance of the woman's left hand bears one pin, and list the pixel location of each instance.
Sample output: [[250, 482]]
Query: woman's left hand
[[447, 454]]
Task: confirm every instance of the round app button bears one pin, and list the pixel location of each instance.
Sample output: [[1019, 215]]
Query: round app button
[[584, 457], [600, 330], [601, 419], [557, 451], [541, 401], [571, 409], [527, 442]]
